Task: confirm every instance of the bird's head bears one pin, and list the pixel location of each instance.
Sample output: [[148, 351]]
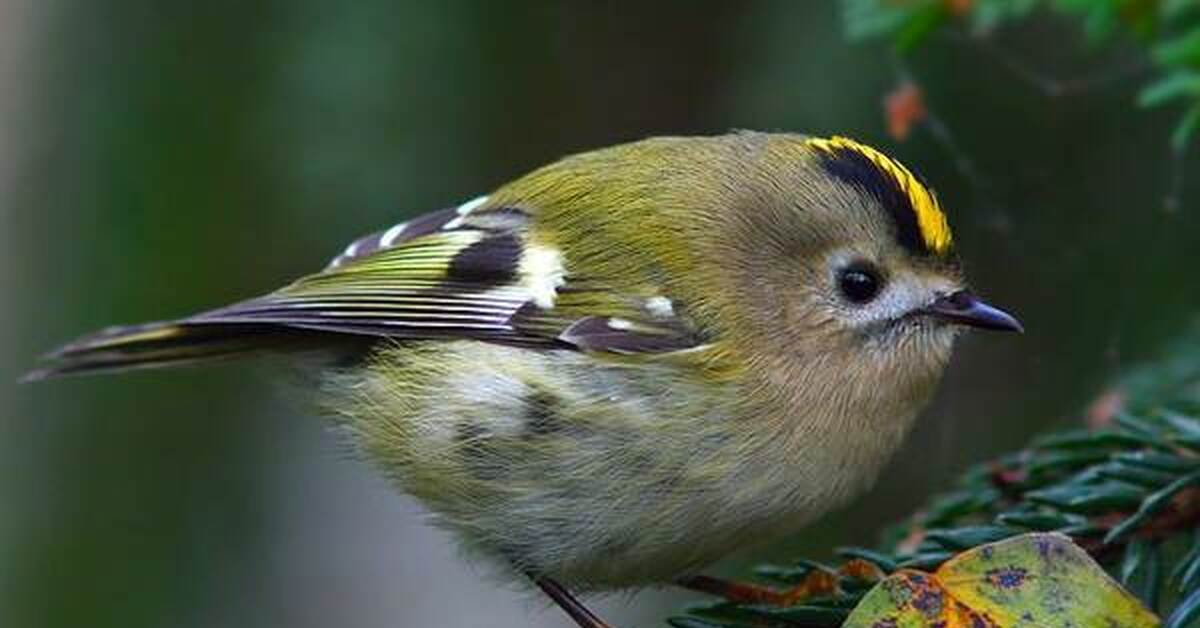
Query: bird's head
[[844, 260]]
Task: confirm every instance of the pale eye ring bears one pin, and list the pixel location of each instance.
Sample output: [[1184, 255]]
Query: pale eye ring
[[859, 283]]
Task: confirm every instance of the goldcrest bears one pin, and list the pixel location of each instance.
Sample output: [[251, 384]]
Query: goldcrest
[[622, 366]]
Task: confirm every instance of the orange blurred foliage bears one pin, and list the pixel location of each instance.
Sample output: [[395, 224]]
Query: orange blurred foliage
[[904, 107]]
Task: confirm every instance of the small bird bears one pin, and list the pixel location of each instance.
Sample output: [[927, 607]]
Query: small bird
[[622, 366]]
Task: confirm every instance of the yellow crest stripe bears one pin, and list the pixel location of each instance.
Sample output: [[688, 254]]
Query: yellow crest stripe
[[931, 220]]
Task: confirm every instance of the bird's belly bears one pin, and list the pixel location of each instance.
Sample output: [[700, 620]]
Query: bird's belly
[[732, 500], [601, 476]]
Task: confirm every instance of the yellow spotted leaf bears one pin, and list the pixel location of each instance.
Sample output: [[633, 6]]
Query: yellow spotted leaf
[[1029, 581]]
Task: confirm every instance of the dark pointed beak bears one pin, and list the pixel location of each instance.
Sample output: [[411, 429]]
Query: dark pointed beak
[[964, 308]]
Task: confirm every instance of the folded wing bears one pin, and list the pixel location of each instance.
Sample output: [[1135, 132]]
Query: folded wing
[[471, 272]]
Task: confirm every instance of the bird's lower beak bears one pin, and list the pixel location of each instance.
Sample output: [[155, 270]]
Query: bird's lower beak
[[964, 308]]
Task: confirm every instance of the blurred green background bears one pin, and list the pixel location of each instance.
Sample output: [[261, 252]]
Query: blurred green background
[[159, 158]]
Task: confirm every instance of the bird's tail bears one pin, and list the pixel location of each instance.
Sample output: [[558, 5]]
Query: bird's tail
[[161, 344]]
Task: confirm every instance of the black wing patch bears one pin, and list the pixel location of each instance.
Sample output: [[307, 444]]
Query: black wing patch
[[489, 262]]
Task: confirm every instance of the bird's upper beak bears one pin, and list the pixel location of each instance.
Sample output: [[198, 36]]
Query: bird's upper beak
[[964, 308]]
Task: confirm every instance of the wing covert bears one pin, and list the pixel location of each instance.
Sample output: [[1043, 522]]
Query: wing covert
[[464, 272]]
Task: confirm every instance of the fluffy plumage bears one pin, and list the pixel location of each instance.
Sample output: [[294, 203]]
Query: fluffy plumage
[[626, 364]]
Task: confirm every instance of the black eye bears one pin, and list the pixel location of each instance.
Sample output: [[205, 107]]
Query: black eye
[[859, 283]]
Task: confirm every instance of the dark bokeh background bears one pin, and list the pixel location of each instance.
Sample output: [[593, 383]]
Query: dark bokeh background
[[158, 158]]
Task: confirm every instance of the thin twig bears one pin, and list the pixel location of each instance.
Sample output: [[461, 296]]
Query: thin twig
[[1051, 87]]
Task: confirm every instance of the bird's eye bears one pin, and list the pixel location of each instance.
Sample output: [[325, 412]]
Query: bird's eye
[[859, 283]]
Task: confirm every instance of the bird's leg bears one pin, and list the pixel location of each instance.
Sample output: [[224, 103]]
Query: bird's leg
[[816, 583], [567, 602]]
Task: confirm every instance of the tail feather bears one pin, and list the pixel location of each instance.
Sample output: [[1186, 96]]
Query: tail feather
[[161, 344]]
